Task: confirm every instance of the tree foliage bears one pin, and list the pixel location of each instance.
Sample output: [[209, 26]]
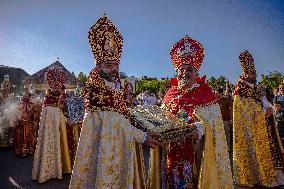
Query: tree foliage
[[272, 80], [221, 81], [151, 85], [82, 78], [217, 82]]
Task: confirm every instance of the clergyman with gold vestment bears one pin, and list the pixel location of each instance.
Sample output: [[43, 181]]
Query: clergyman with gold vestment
[[51, 158], [106, 155], [253, 160]]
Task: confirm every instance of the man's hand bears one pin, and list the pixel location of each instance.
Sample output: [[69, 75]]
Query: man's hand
[[152, 139]]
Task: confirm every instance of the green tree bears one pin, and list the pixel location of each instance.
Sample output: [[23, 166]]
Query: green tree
[[214, 83], [272, 80], [163, 85], [82, 78], [151, 85]]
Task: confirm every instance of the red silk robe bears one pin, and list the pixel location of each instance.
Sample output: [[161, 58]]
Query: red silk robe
[[181, 158]]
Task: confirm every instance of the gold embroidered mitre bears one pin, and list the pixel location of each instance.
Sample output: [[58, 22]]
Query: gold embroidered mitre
[[106, 41], [247, 62]]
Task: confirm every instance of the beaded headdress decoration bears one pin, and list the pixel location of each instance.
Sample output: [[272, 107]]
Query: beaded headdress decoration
[[106, 41], [187, 51], [56, 78], [247, 62]]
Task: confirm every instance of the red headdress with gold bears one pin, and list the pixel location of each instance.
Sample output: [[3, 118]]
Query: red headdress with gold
[[56, 78], [187, 51], [247, 62], [106, 41]]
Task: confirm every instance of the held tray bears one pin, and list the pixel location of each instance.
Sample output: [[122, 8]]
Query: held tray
[[155, 119]]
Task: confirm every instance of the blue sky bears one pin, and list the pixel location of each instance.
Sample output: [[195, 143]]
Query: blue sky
[[34, 33]]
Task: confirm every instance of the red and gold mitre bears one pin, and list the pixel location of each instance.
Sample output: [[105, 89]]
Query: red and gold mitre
[[247, 62], [187, 51], [56, 78], [106, 41]]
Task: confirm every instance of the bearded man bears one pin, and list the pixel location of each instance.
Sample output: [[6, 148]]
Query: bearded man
[[189, 162], [106, 151]]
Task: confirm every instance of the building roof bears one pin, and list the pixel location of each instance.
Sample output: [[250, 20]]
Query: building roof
[[40, 77]]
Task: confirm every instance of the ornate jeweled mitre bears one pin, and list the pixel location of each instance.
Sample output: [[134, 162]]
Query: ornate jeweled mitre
[[247, 62], [106, 41], [56, 78], [187, 51]]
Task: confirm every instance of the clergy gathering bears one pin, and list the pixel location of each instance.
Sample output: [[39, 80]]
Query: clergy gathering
[[91, 125]]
